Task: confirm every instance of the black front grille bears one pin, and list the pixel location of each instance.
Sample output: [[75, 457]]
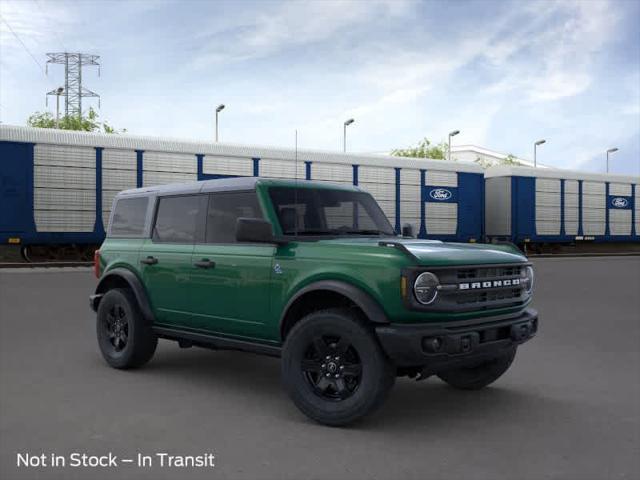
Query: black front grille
[[481, 288], [492, 296], [492, 272]]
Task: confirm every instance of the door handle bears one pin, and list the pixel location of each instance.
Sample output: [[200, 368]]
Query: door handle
[[149, 260], [204, 263]]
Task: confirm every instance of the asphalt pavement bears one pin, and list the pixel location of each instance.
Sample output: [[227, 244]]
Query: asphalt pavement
[[569, 407]]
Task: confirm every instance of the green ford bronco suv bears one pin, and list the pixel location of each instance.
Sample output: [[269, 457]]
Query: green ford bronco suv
[[313, 273]]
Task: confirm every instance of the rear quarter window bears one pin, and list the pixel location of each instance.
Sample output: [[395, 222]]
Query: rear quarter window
[[129, 217]]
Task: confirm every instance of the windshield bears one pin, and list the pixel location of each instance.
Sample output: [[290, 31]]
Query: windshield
[[309, 211]]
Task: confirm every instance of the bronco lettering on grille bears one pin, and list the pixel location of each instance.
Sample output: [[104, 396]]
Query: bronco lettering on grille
[[489, 284]]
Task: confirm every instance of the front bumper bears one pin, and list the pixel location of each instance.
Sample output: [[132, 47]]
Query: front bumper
[[448, 345]]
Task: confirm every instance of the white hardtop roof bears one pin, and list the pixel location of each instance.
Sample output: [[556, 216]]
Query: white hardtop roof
[[513, 171], [230, 185], [12, 133]]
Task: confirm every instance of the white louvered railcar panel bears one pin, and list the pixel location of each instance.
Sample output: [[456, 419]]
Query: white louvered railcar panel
[[409, 176], [64, 199], [381, 191], [107, 203], [547, 227], [272, 168], [571, 228], [593, 202], [161, 178], [441, 218], [64, 177], [593, 208], [119, 179], [596, 188], [64, 221], [169, 162], [619, 222], [119, 159], [570, 200], [548, 199], [376, 175], [64, 188], [332, 172], [64, 156], [441, 179], [620, 189], [389, 209], [570, 220], [214, 165], [594, 215], [409, 210], [548, 206], [410, 193], [547, 185], [570, 186], [593, 228]]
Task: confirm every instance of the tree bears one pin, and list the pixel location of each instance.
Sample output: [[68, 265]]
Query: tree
[[424, 149], [508, 160], [88, 123]]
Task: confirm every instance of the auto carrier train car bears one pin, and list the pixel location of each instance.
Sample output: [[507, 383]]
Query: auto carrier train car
[[57, 186], [544, 205]]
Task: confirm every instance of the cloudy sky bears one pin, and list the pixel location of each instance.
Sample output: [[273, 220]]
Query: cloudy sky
[[504, 73]]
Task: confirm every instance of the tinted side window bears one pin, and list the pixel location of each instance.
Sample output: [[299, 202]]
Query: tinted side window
[[129, 216], [224, 211], [177, 219]]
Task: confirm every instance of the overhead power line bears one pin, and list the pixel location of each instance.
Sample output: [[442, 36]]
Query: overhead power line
[[23, 45], [38, 4]]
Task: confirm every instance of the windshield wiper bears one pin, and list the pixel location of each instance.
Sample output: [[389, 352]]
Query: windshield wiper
[[309, 232]]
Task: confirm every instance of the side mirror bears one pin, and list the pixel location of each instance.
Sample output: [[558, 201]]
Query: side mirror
[[407, 230], [254, 230]]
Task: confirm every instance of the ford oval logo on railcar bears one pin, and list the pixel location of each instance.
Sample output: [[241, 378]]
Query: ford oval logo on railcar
[[440, 194], [619, 202]]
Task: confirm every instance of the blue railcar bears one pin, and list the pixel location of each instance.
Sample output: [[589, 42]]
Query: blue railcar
[[552, 206], [57, 186]]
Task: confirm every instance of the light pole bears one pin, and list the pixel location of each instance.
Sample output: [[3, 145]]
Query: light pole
[[344, 133], [611, 150], [451, 134], [59, 91], [219, 108], [535, 147]]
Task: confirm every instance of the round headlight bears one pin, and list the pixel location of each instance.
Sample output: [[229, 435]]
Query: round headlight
[[425, 288], [529, 276]]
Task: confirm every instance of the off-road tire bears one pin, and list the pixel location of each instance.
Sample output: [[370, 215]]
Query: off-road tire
[[119, 306], [353, 395], [481, 375]]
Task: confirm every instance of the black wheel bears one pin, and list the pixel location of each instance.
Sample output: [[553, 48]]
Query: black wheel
[[124, 338], [481, 375], [334, 369]]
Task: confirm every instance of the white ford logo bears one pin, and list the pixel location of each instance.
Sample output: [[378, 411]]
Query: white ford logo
[[619, 202], [440, 194]]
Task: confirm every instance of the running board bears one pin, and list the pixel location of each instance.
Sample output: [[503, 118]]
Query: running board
[[216, 342]]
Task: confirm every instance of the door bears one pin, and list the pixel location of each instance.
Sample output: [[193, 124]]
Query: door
[[166, 257], [16, 174], [231, 280]]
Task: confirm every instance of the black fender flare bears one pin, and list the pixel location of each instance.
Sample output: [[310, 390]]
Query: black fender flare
[[134, 283], [363, 300]]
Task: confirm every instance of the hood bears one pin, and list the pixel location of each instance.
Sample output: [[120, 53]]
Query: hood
[[436, 253], [444, 253]]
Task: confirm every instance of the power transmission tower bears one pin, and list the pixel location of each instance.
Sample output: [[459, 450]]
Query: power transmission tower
[[73, 92]]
